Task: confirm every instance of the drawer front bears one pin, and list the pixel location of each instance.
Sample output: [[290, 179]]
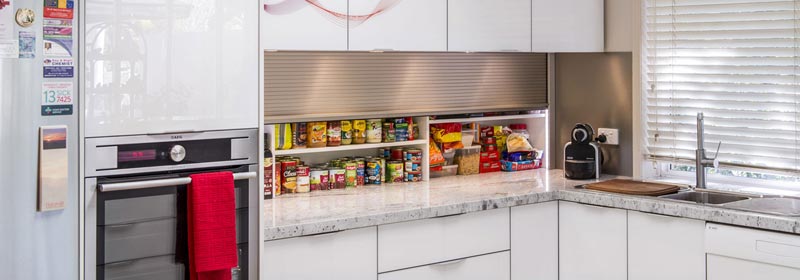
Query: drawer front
[[137, 209], [157, 268], [349, 254], [493, 266], [139, 240], [754, 245], [423, 242]]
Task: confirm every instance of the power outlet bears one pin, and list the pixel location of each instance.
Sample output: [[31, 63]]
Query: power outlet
[[612, 135]]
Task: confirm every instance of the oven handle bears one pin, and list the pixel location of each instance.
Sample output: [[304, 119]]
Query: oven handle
[[162, 183]]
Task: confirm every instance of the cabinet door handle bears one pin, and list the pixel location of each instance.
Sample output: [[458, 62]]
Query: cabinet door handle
[[447, 216], [323, 234], [449, 263]]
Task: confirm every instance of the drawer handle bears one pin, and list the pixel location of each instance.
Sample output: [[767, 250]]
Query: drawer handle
[[447, 216], [122, 263], [126, 225], [449, 263], [323, 234]]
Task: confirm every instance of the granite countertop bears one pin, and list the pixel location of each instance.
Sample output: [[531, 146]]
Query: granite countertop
[[328, 211]]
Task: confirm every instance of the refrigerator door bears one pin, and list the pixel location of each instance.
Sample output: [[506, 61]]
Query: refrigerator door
[[158, 66]]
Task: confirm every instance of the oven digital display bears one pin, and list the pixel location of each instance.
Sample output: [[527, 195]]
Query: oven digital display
[[139, 155]]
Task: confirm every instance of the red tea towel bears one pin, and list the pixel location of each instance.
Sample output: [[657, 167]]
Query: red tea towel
[[212, 226]]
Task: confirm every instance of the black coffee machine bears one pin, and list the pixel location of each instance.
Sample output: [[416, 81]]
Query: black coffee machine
[[582, 156]]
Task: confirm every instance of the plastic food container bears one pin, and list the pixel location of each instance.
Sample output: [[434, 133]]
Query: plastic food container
[[468, 160], [467, 137], [449, 156], [447, 170]]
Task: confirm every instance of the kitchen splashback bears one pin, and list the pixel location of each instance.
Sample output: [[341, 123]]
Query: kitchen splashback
[[306, 86]]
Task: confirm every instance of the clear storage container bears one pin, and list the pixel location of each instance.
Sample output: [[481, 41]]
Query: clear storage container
[[468, 160], [447, 170]]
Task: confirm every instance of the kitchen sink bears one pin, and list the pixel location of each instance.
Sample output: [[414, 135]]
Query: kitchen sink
[[770, 205], [705, 197]]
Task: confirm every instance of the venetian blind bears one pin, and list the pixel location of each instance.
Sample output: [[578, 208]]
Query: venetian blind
[[737, 62]]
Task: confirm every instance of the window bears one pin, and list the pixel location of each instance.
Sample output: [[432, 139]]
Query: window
[[738, 62]]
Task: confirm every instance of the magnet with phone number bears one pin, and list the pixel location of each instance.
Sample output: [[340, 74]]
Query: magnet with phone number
[[57, 93]]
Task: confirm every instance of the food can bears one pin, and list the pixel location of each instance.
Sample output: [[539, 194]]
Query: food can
[[385, 152], [303, 179], [374, 130], [396, 154], [347, 132], [394, 171], [413, 155], [373, 172], [388, 132], [360, 171], [383, 169], [334, 134], [337, 178], [351, 174], [359, 131], [277, 180], [319, 179], [413, 176], [289, 176], [413, 166], [317, 134], [299, 135], [401, 132]]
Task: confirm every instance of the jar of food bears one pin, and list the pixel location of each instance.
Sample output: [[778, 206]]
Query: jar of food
[[334, 133], [347, 132], [317, 134], [388, 132], [521, 129], [468, 160], [359, 131], [374, 130]]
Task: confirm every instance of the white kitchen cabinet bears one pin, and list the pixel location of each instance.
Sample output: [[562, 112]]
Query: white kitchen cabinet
[[491, 266], [491, 26], [534, 241], [350, 254], [568, 26], [592, 242], [428, 241], [304, 25], [408, 25], [655, 241]]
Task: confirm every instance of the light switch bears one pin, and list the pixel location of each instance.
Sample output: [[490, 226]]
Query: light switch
[[612, 135]]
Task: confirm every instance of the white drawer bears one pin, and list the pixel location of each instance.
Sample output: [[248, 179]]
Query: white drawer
[[492, 266], [349, 254], [423, 242]]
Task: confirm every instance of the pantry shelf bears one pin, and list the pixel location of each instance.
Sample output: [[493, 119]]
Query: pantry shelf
[[489, 119], [349, 147]]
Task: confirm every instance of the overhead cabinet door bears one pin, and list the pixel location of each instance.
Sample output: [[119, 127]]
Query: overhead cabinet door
[[568, 26], [304, 25], [490, 26], [407, 25]]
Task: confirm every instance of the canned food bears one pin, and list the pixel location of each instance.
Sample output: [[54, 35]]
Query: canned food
[[317, 134], [289, 176], [382, 161], [413, 166], [303, 179], [414, 155], [373, 172], [319, 179], [374, 130], [351, 174], [334, 134], [401, 132], [396, 154], [347, 132], [359, 131], [337, 178], [388, 132], [413, 176], [360, 171], [394, 171]]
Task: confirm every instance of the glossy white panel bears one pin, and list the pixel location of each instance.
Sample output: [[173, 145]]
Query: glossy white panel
[[568, 26], [592, 242], [155, 66], [534, 241], [492, 26], [655, 240], [304, 25], [402, 25]]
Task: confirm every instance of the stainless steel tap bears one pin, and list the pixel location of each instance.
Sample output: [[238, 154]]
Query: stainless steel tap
[[702, 161]]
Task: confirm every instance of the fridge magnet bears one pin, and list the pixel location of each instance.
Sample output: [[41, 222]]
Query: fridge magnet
[[58, 67], [57, 37], [25, 17], [57, 98], [27, 44], [53, 167], [9, 49], [62, 9], [6, 20]]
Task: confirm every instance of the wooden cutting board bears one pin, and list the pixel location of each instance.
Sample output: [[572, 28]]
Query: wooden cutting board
[[633, 187]]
